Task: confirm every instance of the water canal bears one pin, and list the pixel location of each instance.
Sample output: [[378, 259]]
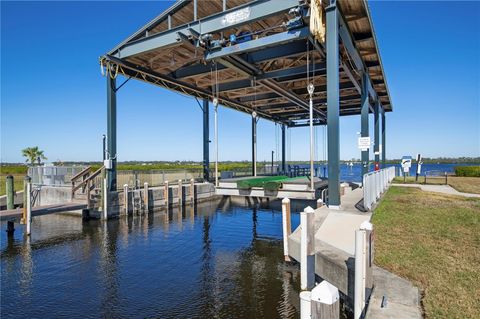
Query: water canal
[[203, 263]]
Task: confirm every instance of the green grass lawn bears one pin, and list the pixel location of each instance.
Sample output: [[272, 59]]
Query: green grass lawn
[[17, 183], [433, 240], [461, 184]]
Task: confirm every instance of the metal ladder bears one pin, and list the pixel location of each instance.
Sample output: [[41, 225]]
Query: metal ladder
[[137, 200]]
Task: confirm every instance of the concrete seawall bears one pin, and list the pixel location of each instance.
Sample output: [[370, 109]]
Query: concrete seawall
[[156, 199]]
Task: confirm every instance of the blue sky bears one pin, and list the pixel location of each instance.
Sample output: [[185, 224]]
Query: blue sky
[[53, 95]]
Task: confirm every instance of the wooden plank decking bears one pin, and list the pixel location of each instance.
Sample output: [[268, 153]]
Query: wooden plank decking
[[13, 214]]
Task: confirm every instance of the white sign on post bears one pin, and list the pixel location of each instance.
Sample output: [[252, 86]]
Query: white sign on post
[[364, 143], [419, 164], [406, 163]]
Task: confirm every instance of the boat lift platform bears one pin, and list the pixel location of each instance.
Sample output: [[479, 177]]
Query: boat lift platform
[[293, 188]]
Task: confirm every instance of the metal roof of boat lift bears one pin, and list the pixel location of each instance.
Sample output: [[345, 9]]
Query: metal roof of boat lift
[[187, 49]]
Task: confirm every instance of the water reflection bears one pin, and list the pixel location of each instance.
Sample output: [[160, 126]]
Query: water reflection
[[200, 261]]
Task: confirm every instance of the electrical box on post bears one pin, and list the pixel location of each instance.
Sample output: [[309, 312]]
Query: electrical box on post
[[108, 164]]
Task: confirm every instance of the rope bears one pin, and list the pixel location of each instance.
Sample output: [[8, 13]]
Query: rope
[[110, 71], [317, 28], [216, 80], [211, 80], [255, 93], [308, 63]]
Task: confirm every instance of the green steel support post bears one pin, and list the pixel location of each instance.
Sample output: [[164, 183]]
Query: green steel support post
[[376, 148], [284, 164], [112, 132], [384, 155], [254, 144], [206, 141], [333, 105], [364, 122], [10, 192]]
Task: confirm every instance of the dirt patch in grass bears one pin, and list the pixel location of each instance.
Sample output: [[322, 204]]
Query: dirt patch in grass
[[465, 184], [433, 240], [461, 184]]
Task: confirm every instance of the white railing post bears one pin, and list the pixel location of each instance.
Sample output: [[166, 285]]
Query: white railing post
[[377, 183], [360, 258], [382, 180], [287, 227], [307, 271], [369, 247], [372, 189], [29, 208], [385, 183], [365, 204]]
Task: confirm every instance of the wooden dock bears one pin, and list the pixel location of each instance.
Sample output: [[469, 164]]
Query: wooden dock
[[16, 214]]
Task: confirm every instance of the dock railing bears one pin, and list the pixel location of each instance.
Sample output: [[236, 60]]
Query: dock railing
[[375, 184], [136, 179], [53, 175]]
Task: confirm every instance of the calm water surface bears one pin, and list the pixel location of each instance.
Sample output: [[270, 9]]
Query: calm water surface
[[202, 263], [354, 173]]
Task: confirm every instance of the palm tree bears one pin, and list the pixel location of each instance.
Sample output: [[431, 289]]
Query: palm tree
[[33, 154]]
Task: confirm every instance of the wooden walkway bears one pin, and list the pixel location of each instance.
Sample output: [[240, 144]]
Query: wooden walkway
[[14, 214]]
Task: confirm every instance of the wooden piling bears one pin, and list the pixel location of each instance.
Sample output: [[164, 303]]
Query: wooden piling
[[287, 227], [192, 189], [29, 209], [360, 273], [10, 228], [10, 192], [319, 203], [85, 214], [369, 244], [89, 189], [26, 180], [125, 198], [305, 304], [325, 301], [307, 267], [145, 196], [180, 193], [166, 193]]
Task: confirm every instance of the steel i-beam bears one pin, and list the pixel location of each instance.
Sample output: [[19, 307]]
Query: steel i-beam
[[284, 166], [384, 156], [112, 133], [333, 106], [376, 148], [254, 143], [364, 122]]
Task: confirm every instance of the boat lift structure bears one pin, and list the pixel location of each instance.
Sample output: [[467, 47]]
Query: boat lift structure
[[296, 63]]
